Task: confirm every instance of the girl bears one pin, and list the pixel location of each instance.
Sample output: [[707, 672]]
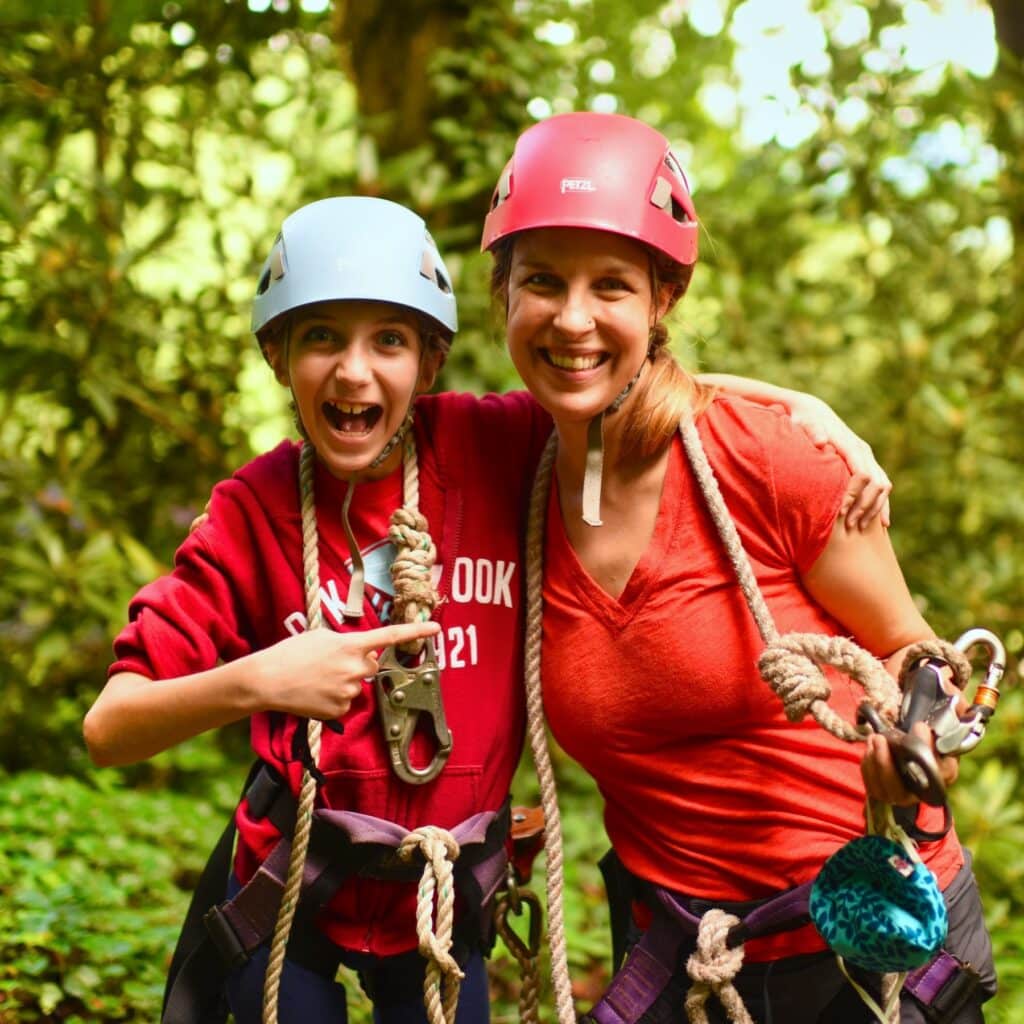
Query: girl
[[354, 313]]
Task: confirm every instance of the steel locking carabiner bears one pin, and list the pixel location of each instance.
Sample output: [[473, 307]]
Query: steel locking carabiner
[[955, 734], [403, 694]]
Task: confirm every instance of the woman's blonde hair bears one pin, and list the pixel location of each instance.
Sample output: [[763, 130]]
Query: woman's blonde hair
[[666, 392]]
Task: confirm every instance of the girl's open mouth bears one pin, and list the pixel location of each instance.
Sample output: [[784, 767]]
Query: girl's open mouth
[[352, 417]]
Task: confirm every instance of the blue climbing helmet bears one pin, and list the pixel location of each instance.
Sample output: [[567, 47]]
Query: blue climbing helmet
[[354, 247], [878, 906]]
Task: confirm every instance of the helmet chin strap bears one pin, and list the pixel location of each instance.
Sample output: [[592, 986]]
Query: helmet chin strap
[[594, 466]]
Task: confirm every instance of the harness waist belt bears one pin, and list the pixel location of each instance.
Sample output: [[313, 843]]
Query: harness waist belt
[[342, 844]]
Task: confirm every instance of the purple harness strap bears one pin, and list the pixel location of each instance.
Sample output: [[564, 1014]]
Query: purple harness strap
[[928, 981], [241, 924], [655, 957]]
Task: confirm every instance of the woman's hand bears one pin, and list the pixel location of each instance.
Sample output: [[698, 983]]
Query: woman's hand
[[319, 673], [867, 495], [881, 778]]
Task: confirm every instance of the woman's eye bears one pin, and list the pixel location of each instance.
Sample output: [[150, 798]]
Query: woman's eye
[[613, 284], [547, 281]]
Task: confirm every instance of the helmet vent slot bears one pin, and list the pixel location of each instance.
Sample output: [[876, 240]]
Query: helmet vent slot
[[679, 213]]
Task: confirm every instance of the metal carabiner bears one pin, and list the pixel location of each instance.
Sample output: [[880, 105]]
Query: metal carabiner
[[913, 757], [403, 694], [956, 734], [515, 900]]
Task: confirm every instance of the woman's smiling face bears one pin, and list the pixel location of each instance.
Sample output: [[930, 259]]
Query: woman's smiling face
[[354, 368], [580, 311]]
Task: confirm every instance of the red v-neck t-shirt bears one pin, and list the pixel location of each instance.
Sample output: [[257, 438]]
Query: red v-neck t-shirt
[[708, 788]]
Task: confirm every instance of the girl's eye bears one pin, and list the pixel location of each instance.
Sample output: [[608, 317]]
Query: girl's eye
[[316, 334], [613, 284], [392, 339]]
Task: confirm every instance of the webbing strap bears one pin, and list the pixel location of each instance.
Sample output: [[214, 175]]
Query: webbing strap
[[676, 919], [644, 975], [193, 993], [944, 986]]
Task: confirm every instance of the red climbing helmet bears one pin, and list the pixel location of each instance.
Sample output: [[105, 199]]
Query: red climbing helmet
[[601, 171]]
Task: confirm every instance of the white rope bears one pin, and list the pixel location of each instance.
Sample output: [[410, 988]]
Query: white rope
[[443, 975]]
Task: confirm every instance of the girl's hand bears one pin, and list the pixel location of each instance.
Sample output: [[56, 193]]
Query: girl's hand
[[200, 519], [868, 493], [882, 780], [319, 673]]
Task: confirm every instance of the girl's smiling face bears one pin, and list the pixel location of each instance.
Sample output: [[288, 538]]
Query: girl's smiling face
[[580, 312], [354, 368]]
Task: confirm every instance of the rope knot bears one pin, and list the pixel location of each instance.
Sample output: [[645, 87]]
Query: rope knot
[[415, 555], [436, 844], [439, 849], [712, 969], [790, 666], [794, 677]]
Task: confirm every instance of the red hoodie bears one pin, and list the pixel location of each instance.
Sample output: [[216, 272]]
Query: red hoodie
[[237, 587]]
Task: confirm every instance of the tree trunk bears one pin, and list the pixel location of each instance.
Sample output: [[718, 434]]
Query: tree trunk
[[386, 49], [1009, 18]]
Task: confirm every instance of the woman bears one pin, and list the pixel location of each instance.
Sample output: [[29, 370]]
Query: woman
[[649, 649]]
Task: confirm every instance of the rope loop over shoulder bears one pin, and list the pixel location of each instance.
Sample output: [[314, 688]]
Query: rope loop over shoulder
[[789, 664]]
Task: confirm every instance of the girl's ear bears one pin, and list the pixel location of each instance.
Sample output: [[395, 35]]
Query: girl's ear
[[273, 352], [430, 366]]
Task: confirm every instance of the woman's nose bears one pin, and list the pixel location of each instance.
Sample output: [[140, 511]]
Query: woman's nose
[[574, 316]]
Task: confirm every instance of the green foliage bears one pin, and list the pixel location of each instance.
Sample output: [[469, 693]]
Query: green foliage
[[148, 152], [94, 883]]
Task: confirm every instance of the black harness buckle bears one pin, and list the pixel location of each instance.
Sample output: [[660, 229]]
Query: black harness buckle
[[231, 949]]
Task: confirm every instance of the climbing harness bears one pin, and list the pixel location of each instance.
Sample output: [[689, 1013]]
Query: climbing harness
[[221, 934], [790, 665]]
